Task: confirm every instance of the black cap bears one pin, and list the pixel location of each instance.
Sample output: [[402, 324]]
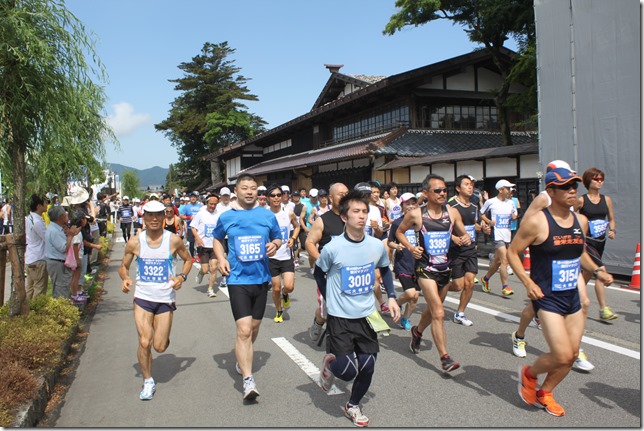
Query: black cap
[[363, 187]]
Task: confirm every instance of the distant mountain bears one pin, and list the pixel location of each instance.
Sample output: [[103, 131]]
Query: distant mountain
[[147, 177]]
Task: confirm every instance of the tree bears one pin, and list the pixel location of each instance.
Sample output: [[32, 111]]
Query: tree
[[208, 113], [487, 22], [130, 184], [50, 108]]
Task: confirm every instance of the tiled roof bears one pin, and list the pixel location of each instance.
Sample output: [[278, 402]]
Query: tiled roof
[[434, 142], [368, 78], [347, 151]]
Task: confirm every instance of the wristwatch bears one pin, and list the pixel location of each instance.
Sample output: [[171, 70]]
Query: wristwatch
[[184, 276], [597, 270]]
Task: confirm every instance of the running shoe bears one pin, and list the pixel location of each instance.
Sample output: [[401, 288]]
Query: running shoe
[[199, 277], [149, 388], [537, 322], [355, 414], [315, 331], [237, 368], [527, 387], [278, 317], [548, 402], [485, 285], [476, 280], [194, 259], [250, 389], [311, 271], [582, 363], [448, 364], [414, 344], [326, 376], [222, 283], [518, 346], [460, 318], [509, 269], [211, 293], [384, 307], [606, 314], [404, 323], [506, 291], [286, 301], [296, 262]]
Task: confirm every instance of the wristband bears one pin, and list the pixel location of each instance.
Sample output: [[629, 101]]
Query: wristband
[[596, 271]]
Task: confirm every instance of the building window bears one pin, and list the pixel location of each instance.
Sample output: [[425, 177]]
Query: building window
[[458, 117], [278, 146], [371, 123]]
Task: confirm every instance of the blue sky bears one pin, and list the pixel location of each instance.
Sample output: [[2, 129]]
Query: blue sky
[[281, 47]]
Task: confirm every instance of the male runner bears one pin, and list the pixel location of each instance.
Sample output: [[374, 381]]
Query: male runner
[[187, 212], [325, 228], [156, 286], [282, 263], [202, 225], [556, 240], [345, 273], [464, 260], [433, 224], [502, 212], [253, 237]]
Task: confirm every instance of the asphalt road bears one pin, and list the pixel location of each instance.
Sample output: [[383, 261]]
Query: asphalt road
[[197, 385]]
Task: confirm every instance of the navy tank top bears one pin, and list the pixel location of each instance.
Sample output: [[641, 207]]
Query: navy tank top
[[596, 215], [434, 236]]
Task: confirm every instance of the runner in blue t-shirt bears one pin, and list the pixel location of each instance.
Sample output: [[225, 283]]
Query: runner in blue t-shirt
[[186, 213], [253, 236]]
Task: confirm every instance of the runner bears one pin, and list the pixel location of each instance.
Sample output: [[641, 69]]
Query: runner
[[404, 263], [187, 212], [325, 228], [286, 198], [262, 199], [556, 241], [393, 204], [202, 225], [253, 236], [322, 206], [156, 286], [298, 246], [502, 211], [305, 225], [598, 209], [345, 273], [282, 263], [172, 222], [433, 224], [463, 258], [124, 215]]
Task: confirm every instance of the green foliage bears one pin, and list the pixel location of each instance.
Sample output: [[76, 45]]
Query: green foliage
[[209, 104], [130, 184], [110, 227]]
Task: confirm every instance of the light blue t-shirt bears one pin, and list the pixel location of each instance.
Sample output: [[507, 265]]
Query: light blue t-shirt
[[350, 269], [248, 233], [190, 210]]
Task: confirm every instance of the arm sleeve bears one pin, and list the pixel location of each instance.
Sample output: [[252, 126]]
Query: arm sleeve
[[320, 279], [387, 281]]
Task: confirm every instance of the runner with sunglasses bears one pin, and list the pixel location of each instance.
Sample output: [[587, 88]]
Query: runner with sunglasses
[[433, 225]]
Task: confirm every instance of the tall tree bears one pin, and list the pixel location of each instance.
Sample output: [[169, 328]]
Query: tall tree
[[211, 85], [51, 111], [487, 22], [130, 184]]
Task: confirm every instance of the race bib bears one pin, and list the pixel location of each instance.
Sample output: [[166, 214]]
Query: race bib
[[437, 243], [126, 213], [410, 234], [250, 248], [502, 221], [208, 230], [471, 231], [154, 270], [358, 280], [597, 228], [396, 212], [565, 274], [284, 231]]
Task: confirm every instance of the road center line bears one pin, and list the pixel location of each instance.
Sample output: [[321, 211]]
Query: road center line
[[303, 362]]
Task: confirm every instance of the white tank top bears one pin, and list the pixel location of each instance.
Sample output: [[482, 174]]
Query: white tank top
[[154, 270], [286, 227]]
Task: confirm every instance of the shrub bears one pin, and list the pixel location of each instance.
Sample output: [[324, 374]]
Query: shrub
[[110, 227]]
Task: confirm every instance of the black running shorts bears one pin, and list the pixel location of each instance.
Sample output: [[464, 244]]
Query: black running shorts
[[248, 300], [345, 336]]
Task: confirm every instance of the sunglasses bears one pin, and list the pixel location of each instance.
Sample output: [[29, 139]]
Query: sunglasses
[[573, 185], [598, 179], [275, 195], [439, 191]]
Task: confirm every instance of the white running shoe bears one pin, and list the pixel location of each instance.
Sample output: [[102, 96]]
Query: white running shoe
[[326, 375], [199, 277], [250, 389], [460, 318], [211, 293], [510, 272], [149, 388], [223, 284], [315, 331], [518, 346], [582, 363]]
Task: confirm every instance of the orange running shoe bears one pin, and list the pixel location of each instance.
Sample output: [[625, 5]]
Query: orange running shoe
[[528, 388], [548, 402]]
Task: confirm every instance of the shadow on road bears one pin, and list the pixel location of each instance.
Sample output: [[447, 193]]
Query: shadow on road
[[166, 367]]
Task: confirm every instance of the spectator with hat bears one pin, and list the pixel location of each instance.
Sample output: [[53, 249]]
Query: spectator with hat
[[58, 240]]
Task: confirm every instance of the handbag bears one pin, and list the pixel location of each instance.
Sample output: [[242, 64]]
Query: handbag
[[70, 258]]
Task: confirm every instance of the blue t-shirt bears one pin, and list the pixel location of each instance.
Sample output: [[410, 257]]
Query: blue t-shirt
[[350, 268], [248, 233], [190, 210]]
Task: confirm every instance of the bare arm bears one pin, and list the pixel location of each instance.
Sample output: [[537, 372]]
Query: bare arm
[[296, 229], [177, 246], [413, 219], [462, 237], [532, 230], [315, 235], [131, 250], [218, 249], [538, 204], [611, 218]]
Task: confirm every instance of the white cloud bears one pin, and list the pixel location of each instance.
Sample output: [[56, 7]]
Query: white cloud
[[124, 121]]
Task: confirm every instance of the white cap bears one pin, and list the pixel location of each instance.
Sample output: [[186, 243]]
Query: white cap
[[136, 200], [313, 193], [233, 195], [286, 189], [224, 191], [154, 195], [504, 183], [557, 164], [406, 196], [261, 188], [153, 207], [78, 195], [471, 178], [126, 198]]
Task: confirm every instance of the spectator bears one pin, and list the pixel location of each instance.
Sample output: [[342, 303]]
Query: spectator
[[7, 217], [58, 239], [35, 254]]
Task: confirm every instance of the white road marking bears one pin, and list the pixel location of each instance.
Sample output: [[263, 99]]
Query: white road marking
[[224, 290], [303, 362]]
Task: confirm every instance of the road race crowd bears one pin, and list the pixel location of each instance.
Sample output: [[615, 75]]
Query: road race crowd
[[357, 239]]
